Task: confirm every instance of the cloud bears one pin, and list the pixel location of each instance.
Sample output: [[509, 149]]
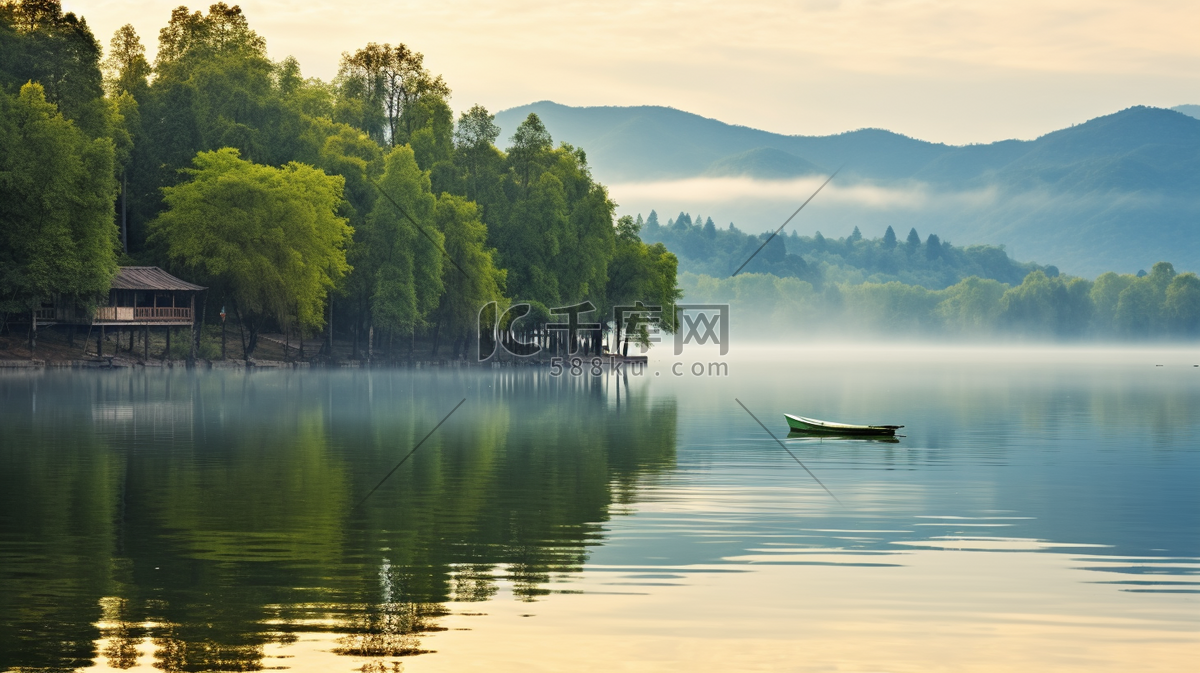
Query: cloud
[[719, 191]]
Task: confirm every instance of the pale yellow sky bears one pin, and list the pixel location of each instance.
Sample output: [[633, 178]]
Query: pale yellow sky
[[956, 72]]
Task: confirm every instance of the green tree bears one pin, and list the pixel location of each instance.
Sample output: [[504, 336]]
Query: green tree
[[640, 272], [1140, 310], [933, 247], [126, 69], [914, 240], [474, 138], [889, 238], [1106, 292], [472, 279], [1182, 305], [401, 266], [380, 87], [972, 306], [57, 235], [530, 151], [269, 237], [39, 43], [1042, 305]]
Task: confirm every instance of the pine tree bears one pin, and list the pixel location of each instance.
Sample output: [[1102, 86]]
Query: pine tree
[[914, 239], [889, 238], [933, 247]]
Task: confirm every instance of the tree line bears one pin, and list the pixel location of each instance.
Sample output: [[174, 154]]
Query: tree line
[[1161, 304], [360, 202], [703, 248]]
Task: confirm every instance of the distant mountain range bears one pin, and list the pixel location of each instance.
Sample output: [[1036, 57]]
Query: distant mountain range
[[1118, 192]]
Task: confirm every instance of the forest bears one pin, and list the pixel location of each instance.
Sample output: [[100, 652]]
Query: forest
[[362, 207], [360, 203]]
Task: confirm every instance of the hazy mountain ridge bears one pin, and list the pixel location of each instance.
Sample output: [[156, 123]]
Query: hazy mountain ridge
[[655, 143], [1118, 192]]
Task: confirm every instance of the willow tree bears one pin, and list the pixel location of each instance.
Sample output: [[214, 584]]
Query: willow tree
[[271, 238]]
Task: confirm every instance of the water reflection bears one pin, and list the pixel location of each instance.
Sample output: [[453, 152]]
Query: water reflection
[[208, 522], [212, 514]]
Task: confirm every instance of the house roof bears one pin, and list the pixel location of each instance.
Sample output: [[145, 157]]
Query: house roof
[[150, 278]]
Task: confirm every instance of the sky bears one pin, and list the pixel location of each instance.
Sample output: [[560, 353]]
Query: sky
[[955, 72]]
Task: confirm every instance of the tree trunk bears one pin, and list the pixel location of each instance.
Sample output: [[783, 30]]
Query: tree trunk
[[330, 342], [241, 329], [437, 329]]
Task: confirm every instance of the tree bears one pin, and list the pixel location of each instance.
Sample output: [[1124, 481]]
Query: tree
[[856, 235], [1106, 292], [126, 69], [474, 137], [1182, 304], [914, 240], [640, 272], [39, 43], [472, 279], [57, 235], [933, 247], [972, 306], [889, 238], [531, 145], [269, 237], [380, 86], [400, 265], [1051, 306], [188, 38]]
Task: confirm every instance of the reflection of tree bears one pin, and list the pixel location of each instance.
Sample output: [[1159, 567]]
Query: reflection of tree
[[389, 627], [122, 636], [213, 515]]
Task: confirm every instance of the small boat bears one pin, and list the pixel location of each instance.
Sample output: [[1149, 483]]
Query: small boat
[[812, 426]]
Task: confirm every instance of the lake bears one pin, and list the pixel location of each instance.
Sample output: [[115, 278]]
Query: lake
[[1041, 512]]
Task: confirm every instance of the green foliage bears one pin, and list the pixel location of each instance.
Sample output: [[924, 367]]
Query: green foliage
[[819, 260], [1041, 306], [472, 279], [217, 145], [57, 235], [1182, 304], [269, 237], [39, 43], [400, 267], [384, 91]]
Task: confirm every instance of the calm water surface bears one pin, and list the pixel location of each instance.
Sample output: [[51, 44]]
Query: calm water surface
[[1041, 513]]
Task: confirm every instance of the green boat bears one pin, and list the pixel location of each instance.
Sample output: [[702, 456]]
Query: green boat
[[811, 426]]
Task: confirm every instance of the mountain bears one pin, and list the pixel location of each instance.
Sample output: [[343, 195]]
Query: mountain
[[1189, 110], [1117, 192], [763, 162]]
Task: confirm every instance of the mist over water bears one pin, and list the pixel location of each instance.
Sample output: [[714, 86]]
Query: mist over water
[[1068, 229], [1038, 512]]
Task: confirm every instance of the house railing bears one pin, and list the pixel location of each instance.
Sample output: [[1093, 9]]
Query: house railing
[[163, 313], [142, 314]]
